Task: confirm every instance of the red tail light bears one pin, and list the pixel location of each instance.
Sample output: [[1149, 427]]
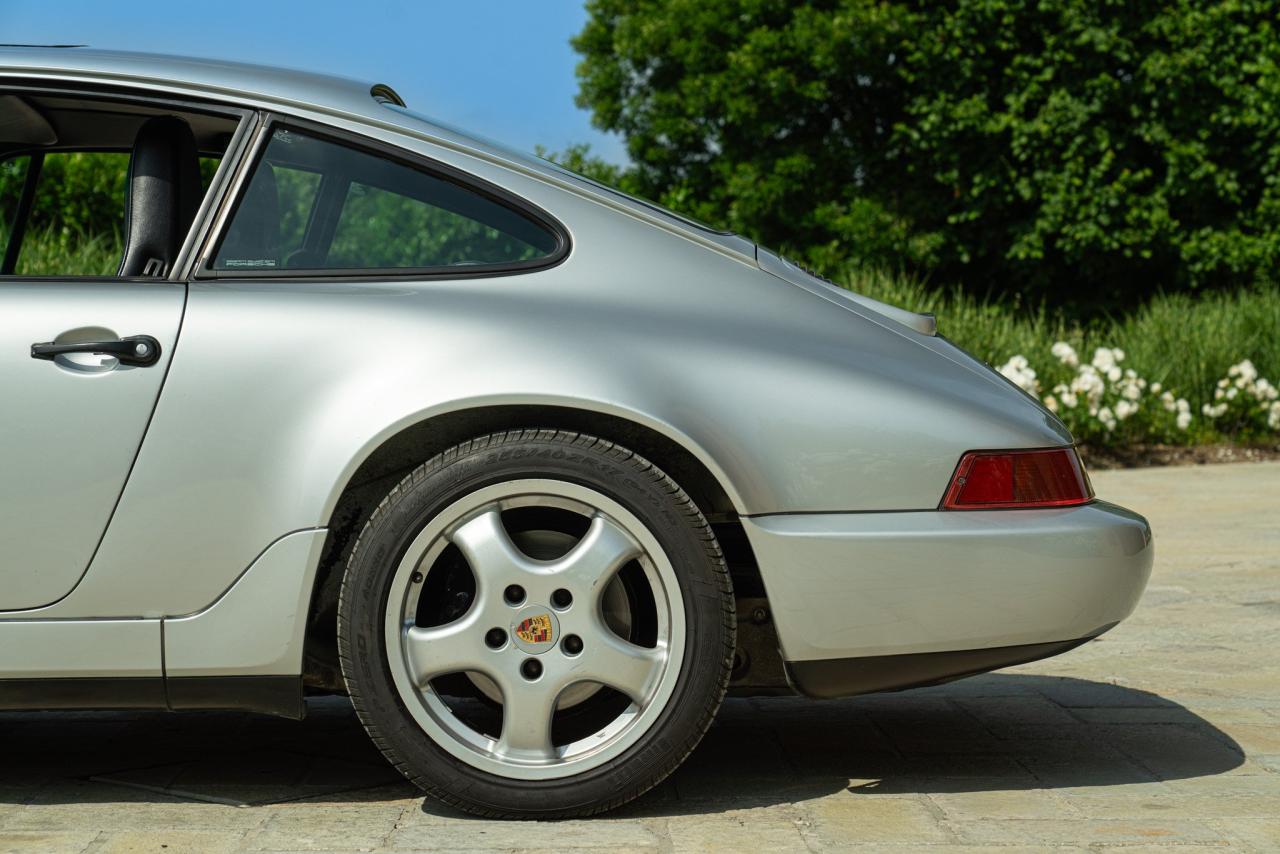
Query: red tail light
[[994, 480]]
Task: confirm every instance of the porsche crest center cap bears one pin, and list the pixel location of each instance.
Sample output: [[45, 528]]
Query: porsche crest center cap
[[535, 629]]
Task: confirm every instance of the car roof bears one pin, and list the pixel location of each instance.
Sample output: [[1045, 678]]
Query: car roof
[[325, 92], [283, 88]]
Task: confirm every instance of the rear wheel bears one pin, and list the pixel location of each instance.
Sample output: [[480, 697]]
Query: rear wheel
[[536, 623]]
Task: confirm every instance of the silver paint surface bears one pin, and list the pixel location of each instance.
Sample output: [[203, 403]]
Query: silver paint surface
[[72, 426]]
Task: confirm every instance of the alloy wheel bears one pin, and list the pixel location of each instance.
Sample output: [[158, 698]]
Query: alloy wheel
[[535, 629]]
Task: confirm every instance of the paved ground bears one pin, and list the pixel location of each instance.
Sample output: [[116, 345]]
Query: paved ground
[[1166, 732]]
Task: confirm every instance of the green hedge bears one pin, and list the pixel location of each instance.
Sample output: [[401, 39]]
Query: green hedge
[[1073, 151]]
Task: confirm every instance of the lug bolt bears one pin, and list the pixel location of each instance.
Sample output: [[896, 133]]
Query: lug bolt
[[561, 599], [495, 638], [513, 595], [531, 669], [572, 644]]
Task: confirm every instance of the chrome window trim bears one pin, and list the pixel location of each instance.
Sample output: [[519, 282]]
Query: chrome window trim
[[204, 224], [253, 143]]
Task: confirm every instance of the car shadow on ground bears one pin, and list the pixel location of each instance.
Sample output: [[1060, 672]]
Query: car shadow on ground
[[997, 732], [989, 733]]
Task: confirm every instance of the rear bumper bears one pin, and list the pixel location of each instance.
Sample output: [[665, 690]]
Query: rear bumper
[[864, 585]]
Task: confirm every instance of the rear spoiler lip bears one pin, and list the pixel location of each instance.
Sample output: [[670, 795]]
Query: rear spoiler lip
[[776, 265]]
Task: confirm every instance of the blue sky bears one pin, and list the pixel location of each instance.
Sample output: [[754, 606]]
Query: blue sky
[[500, 68]]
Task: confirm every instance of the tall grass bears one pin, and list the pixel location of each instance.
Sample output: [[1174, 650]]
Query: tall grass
[[66, 252], [1190, 342]]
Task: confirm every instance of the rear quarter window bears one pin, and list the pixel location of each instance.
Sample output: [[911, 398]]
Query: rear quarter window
[[315, 204]]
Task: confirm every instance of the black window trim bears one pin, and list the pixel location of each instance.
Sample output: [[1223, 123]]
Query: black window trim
[[272, 121]]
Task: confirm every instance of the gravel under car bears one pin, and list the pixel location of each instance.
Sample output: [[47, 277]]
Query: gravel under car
[[534, 471]]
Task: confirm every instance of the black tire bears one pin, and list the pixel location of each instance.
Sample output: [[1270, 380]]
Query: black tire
[[664, 509]]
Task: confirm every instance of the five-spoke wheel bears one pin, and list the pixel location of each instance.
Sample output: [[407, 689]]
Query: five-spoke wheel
[[542, 632], [536, 628]]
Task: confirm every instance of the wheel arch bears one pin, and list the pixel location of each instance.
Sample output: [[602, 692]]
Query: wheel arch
[[398, 453]]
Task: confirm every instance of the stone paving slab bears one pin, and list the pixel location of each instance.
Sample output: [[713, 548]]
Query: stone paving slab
[[1164, 735]]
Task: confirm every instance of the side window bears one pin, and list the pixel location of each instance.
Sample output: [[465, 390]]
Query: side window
[[91, 186], [313, 204], [298, 189], [74, 222]]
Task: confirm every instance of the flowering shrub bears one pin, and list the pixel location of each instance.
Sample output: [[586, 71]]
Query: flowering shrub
[[1242, 398], [1104, 402]]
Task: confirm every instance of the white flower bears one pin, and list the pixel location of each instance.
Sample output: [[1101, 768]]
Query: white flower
[[1243, 377], [1211, 411], [1245, 371], [1065, 353], [1019, 371], [1088, 383], [1111, 393], [1065, 395], [1175, 404]]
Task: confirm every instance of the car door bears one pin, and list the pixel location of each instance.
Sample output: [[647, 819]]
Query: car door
[[83, 349]]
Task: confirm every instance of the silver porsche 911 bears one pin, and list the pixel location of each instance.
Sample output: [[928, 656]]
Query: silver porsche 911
[[532, 470]]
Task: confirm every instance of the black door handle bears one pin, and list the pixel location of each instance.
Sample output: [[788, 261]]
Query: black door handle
[[139, 350]]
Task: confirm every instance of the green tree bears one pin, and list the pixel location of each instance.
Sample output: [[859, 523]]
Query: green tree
[[1080, 151]]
